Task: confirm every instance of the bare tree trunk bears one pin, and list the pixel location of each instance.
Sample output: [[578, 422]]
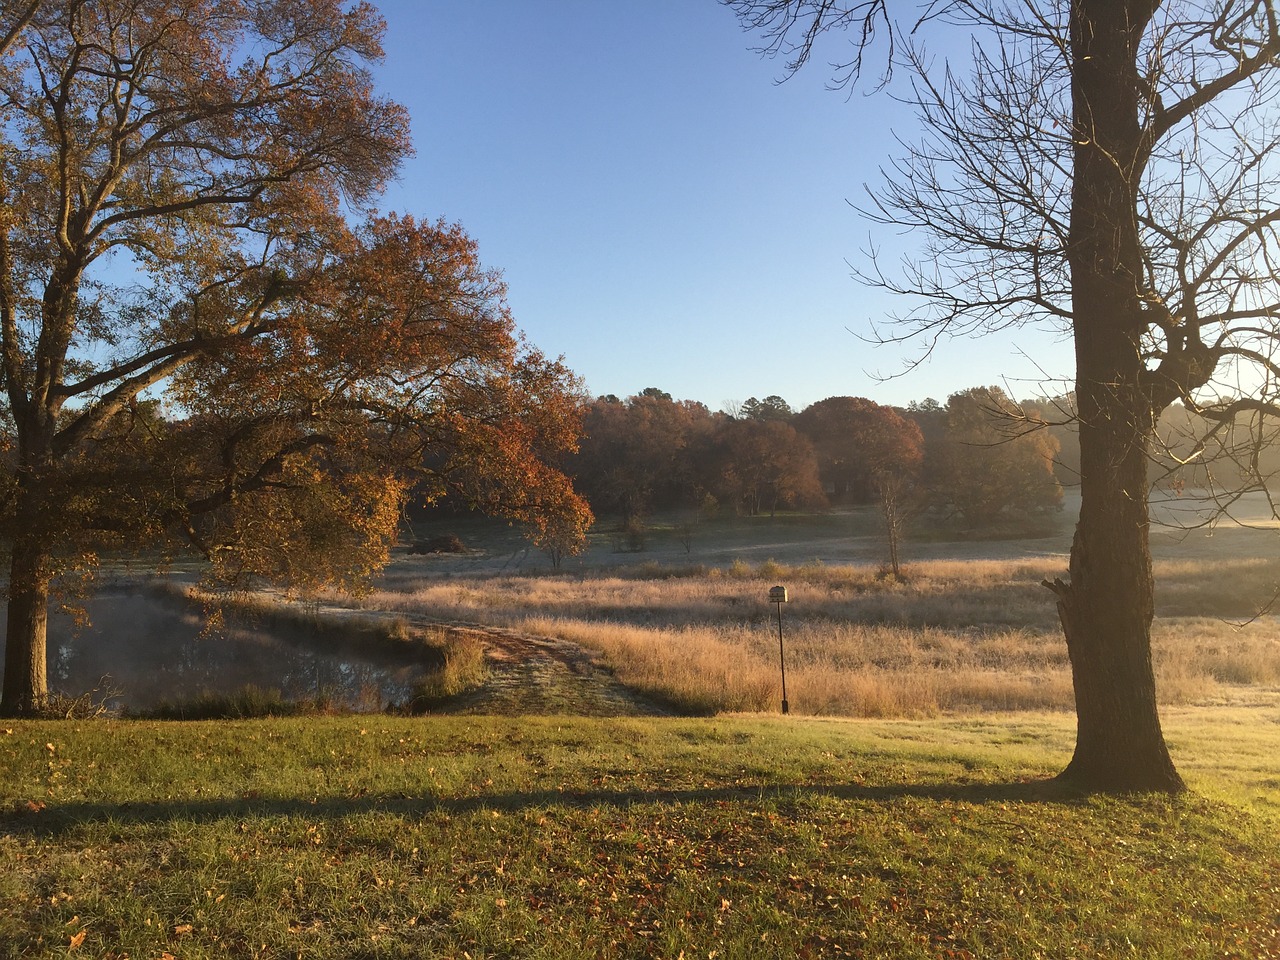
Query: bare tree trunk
[[1107, 608], [1106, 614], [26, 678]]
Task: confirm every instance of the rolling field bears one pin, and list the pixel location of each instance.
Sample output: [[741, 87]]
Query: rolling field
[[904, 809], [687, 621]]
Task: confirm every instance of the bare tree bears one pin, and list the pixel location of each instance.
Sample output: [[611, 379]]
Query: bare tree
[[1110, 167]]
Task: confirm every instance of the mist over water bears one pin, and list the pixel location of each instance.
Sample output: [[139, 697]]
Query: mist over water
[[152, 647]]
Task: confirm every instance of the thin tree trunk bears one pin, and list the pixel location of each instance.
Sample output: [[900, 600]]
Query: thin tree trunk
[[26, 675], [890, 504]]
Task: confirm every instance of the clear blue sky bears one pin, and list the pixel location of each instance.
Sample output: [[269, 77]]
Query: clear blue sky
[[665, 213]]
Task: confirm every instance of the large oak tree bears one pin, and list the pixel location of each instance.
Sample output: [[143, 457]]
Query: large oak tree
[[762, 464], [1111, 167], [195, 345], [640, 453]]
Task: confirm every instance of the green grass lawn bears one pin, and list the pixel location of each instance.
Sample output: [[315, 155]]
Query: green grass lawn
[[559, 837]]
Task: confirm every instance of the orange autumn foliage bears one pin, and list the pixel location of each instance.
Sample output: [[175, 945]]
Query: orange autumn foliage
[[197, 346]]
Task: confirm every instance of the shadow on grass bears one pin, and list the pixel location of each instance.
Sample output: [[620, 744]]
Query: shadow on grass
[[65, 818]]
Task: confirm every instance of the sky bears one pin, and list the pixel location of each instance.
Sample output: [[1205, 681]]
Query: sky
[[664, 211]]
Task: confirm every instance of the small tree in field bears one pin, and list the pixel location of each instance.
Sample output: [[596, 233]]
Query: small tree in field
[[559, 529], [893, 451], [176, 183], [868, 451]]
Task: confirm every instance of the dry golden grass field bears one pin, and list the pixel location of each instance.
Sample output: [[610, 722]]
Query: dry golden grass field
[[688, 623]]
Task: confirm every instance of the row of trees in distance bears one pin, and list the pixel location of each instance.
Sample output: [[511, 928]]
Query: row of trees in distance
[[973, 460], [981, 461]]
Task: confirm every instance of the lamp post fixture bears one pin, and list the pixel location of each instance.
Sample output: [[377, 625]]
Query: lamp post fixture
[[778, 595]]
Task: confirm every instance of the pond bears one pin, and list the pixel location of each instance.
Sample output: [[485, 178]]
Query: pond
[[147, 646]]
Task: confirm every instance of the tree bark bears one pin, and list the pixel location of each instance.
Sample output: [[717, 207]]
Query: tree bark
[[26, 676], [1107, 608], [1106, 614]]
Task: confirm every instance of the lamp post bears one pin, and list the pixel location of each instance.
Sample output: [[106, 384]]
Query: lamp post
[[778, 595]]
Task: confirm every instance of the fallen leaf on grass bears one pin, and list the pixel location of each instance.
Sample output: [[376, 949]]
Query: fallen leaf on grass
[[77, 939], [182, 929]]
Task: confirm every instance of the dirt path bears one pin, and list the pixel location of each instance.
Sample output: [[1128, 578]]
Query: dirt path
[[526, 674], [529, 674]]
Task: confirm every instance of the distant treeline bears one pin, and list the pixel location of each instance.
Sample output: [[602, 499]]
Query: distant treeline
[[980, 459]]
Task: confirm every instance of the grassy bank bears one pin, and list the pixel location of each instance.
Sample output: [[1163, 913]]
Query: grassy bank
[[349, 837]]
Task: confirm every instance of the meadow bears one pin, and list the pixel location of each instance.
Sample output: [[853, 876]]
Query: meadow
[[978, 635], [970, 628], [341, 838], [905, 809]]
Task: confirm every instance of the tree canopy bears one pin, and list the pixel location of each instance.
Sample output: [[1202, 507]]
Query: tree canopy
[[198, 345], [991, 465]]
